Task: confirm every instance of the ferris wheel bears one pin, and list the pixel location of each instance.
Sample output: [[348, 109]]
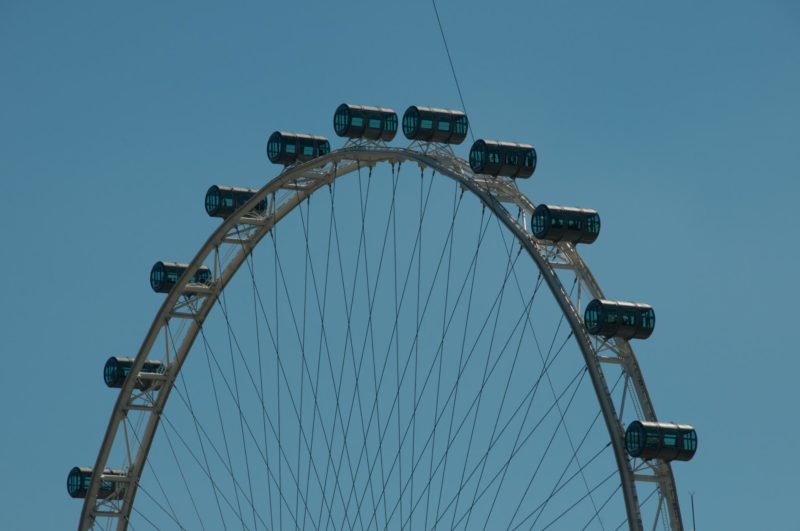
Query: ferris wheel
[[386, 338]]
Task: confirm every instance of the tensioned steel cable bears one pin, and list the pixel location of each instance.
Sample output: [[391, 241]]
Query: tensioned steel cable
[[304, 410], [574, 457], [315, 383], [222, 428], [609, 476], [539, 283], [224, 306], [463, 422], [251, 266], [549, 444], [348, 340], [171, 513], [566, 429], [438, 353], [461, 353], [369, 336], [321, 306], [274, 236], [602, 506], [561, 421], [185, 482], [303, 354], [282, 373], [292, 314], [394, 339], [330, 465], [456, 196], [509, 268], [370, 333], [187, 402], [450, 396], [644, 502], [207, 472], [452, 67], [211, 355]]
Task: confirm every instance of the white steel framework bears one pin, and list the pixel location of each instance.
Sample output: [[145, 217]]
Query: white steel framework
[[180, 318]]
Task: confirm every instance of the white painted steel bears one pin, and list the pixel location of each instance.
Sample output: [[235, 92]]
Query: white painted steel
[[180, 318]]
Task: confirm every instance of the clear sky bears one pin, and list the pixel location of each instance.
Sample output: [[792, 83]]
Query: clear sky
[[677, 121]]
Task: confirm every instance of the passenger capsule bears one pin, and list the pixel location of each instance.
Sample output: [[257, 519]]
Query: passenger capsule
[[360, 121], [558, 223], [288, 148], [435, 125], [222, 201], [626, 320], [116, 371], [660, 440], [79, 479], [164, 275], [502, 158]]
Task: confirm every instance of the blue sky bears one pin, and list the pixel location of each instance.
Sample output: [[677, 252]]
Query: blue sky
[[678, 122]]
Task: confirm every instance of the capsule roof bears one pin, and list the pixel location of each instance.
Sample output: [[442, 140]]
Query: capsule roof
[[367, 108], [438, 110], [364, 121], [431, 124], [666, 441], [623, 319], [498, 143], [232, 188], [559, 208], [288, 148], [303, 136], [624, 304], [672, 425], [162, 263]]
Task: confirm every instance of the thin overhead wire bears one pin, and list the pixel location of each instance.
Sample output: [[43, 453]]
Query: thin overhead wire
[[452, 67]]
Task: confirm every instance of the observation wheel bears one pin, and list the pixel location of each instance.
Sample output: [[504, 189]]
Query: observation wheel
[[386, 338]]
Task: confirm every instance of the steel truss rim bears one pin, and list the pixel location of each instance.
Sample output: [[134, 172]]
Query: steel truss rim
[[303, 180]]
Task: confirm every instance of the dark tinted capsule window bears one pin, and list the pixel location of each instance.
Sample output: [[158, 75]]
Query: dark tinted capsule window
[[648, 319], [273, 149], [593, 223], [461, 125], [629, 318], [591, 317], [529, 158], [690, 441], [476, 158], [408, 123], [341, 121]]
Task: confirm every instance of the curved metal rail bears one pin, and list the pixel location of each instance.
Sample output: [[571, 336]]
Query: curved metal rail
[[180, 318]]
